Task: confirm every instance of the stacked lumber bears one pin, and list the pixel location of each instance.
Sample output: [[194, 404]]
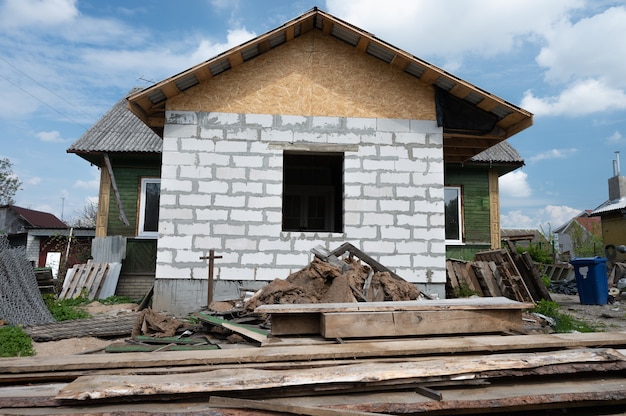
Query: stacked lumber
[[443, 375], [496, 273]]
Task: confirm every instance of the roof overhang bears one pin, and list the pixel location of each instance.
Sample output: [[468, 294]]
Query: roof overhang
[[459, 144]]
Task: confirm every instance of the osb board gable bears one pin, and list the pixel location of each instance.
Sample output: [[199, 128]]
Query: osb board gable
[[313, 75]]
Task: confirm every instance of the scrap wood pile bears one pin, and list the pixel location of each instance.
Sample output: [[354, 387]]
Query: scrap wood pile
[[481, 374], [496, 273], [338, 358], [331, 279]]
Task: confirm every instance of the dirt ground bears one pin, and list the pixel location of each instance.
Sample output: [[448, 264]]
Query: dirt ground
[[608, 318], [83, 345]]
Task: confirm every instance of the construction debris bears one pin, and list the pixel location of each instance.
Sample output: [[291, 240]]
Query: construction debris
[[342, 336]]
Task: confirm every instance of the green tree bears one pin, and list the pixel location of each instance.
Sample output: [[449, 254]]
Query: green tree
[[9, 183], [586, 244]]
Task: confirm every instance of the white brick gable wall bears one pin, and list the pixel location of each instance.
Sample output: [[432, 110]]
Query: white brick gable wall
[[221, 189]]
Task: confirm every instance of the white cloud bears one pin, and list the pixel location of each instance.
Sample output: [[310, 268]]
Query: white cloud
[[35, 180], [515, 185], [582, 98], [448, 28], [552, 154], [89, 184], [50, 136], [616, 137], [207, 49], [545, 219], [35, 14], [557, 215], [593, 47]]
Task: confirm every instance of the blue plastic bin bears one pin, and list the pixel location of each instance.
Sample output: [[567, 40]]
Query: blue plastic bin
[[592, 280]]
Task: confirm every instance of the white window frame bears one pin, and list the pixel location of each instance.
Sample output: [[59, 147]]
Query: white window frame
[[141, 233], [459, 214]]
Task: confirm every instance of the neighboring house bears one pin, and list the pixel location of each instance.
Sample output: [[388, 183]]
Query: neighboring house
[[44, 237], [612, 214], [525, 237], [128, 154], [577, 231], [315, 133]]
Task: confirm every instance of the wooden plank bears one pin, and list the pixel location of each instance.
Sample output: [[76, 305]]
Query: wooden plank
[[351, 350], [475, 286], [476, 303], [99, 276], [413, 323], [284, 408], [295, 324], [251, 379]]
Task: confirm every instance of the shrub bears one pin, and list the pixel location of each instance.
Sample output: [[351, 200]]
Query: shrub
[[14, 342], [66, 309]]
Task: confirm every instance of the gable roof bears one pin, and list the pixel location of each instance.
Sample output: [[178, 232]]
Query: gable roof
[[118, 130], [454, 95], [36, 219], [585, 220]]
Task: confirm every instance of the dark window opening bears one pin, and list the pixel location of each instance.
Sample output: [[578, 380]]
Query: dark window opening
[[313, 192]]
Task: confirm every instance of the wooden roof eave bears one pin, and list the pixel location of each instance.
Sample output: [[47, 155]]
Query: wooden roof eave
[[153, 113]]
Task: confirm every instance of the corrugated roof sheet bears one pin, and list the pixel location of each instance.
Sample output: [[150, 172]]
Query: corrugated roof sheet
[[119, 130], [38, 219], [608, 206], [502, 152]]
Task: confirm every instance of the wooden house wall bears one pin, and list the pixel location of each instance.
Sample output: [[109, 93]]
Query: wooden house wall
[[138, 268], [614, 232], [476, 211]]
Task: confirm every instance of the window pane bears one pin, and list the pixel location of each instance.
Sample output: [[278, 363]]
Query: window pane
[[151, 212], [453, 229]]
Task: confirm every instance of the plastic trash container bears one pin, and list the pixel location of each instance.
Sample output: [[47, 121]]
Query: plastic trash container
[[592, 280]]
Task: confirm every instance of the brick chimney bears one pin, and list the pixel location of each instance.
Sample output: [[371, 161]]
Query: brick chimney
[[617, 184]]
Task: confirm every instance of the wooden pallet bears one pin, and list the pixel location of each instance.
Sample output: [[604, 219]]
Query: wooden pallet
[[84, 279]]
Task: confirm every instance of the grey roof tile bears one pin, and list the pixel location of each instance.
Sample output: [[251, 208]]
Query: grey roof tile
[[119, 130]]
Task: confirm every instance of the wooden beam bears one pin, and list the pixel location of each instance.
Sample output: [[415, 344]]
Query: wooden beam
[[116, 192], [414, 323]]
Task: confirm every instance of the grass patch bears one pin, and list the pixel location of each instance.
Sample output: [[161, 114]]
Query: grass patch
[[14, 342], [564, 322], [116, 300], [66, 309]]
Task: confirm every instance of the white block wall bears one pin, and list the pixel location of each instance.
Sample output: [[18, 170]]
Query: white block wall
[[221, 189]]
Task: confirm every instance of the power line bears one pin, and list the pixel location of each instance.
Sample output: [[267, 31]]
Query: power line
[[45, 87], [42, 101]]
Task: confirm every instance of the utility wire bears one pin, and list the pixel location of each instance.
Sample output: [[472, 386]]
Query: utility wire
[[43, 102], [46, 88]]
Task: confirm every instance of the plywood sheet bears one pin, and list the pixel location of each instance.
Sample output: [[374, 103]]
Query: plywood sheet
[[315, 74]]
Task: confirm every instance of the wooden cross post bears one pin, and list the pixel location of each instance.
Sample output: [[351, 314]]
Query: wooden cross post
[[211, 258]]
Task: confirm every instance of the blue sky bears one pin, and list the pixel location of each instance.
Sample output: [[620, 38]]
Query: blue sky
[[64, 63]]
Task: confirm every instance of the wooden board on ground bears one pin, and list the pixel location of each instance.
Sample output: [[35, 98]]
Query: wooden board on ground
[[256, 380], [412, 323], [300, 319], [353, 349]]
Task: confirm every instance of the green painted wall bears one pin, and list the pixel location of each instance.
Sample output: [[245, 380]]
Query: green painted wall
[[128, 179], [140, 261], [476, 218]]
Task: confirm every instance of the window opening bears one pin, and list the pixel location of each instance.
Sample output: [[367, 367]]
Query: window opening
[[148, 223], [452, 197], [313, 192]]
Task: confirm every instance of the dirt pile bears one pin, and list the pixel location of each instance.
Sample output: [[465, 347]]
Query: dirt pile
[[323, 282]]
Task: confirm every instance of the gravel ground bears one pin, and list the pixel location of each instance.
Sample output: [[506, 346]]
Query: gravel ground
[[607, 318]]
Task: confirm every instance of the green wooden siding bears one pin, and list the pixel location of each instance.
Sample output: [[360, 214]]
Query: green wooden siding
[[128, 181], [140, 253], [476, 217]]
